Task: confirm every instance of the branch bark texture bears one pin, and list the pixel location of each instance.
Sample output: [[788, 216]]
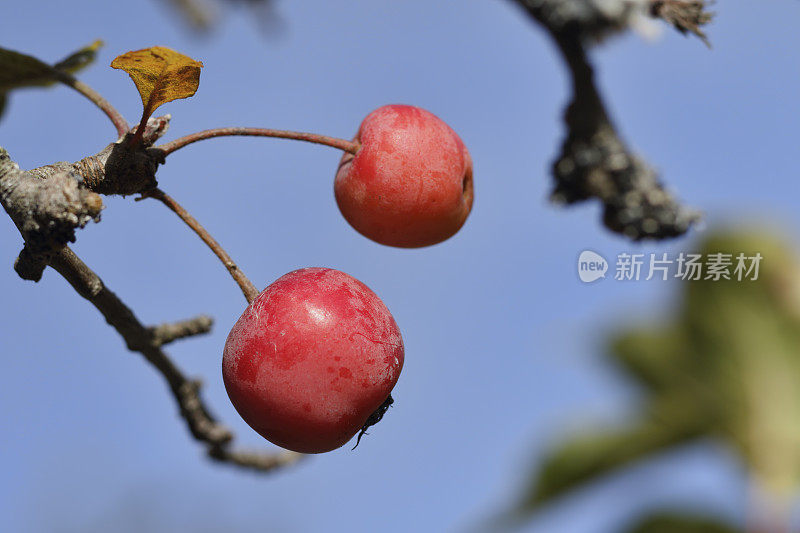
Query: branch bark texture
[[594, 161]]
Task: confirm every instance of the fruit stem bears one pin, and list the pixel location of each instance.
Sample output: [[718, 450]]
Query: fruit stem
[[250, 291], [104, 105], [137, 137], [341, 144]]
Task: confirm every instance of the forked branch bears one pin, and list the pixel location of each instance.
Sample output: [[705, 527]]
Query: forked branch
[[48, 204], [138, 338]]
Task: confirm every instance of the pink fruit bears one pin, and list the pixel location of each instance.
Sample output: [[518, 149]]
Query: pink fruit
[[311, 359], [410, 182]]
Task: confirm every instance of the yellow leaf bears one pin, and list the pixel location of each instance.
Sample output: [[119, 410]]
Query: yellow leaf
[[161, 75]]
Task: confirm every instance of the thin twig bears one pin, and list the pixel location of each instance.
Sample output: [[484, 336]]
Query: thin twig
[[138, 338], [250, 291], [105, 106], [341, 144], [254, 460], [173, 331]]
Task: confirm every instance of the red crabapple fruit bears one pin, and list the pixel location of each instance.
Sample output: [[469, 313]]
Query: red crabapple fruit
[[312, 360], [410, 182]]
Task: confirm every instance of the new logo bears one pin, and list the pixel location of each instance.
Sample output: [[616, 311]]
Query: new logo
[[591, 266]]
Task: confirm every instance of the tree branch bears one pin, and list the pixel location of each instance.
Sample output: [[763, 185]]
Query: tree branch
[[46, 212], [202, 425], [118, 168], [171, 332], [594, 162], [47, 204]]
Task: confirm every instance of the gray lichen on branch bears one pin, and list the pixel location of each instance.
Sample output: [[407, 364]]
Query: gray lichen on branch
[[114, 170], [49, 203], [594, 162], [46, 211]]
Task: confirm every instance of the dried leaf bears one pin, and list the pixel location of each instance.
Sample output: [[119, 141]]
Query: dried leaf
[[160, 74]]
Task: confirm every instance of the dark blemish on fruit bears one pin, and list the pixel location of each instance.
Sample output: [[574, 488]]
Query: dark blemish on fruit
[[331, 370], [345, 373], [307, 407], [466, 186], [337, 358], [374, 418]]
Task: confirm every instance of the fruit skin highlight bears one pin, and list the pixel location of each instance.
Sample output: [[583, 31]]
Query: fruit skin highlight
[[311, 358], [410, 183]]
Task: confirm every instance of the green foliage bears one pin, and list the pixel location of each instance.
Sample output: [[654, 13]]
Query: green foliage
[[726, 367], [585, 458], [675, 522], [19, 70]]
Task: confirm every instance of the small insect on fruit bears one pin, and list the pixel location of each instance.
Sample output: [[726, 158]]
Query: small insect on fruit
[[312, 360], [410, 182]]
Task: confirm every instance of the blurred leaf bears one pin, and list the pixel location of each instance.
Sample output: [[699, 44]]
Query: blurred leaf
[[726, 367], [80, 59], [652, 357], [199, 14], [22, 70], [203, 15], [161, 75], [583, 459], [19, 70], [744, 339], [674, 522]]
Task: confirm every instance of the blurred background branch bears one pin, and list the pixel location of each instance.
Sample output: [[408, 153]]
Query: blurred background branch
[[202, 16], [594, 162]]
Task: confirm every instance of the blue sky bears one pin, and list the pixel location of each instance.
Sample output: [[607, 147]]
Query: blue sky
[[503, 342]]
